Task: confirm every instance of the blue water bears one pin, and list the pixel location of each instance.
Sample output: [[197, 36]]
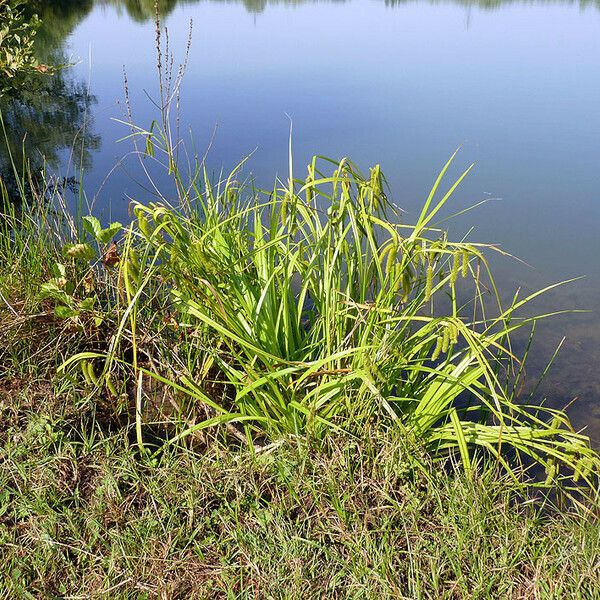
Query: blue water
[[516, 86]]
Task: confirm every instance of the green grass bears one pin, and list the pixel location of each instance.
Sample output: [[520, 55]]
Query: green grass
[[121, 485], [82, 517]]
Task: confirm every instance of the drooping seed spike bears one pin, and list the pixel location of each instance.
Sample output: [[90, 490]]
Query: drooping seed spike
[[453, 333], [445, 340], [465, 263], [429, 282], [455, 268], [438, 347], [392, 257]]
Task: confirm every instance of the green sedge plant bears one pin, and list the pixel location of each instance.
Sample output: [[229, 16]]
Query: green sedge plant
[[312, 307]]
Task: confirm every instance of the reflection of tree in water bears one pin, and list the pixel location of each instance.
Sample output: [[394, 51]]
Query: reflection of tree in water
[[65, 14], [49, 114], [493, 4], [42, 122], [142, 10], [59, 18]]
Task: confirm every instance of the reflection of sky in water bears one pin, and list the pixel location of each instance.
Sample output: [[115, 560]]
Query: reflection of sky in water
[[517, 87]]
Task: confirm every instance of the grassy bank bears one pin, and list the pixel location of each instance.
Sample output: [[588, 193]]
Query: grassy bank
[[281, 394], [83, 517]]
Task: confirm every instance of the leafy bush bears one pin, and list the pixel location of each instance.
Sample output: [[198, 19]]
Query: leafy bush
[[17, 57]]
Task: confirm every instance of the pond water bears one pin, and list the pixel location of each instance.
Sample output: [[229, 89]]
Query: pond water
[[515, 85]]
